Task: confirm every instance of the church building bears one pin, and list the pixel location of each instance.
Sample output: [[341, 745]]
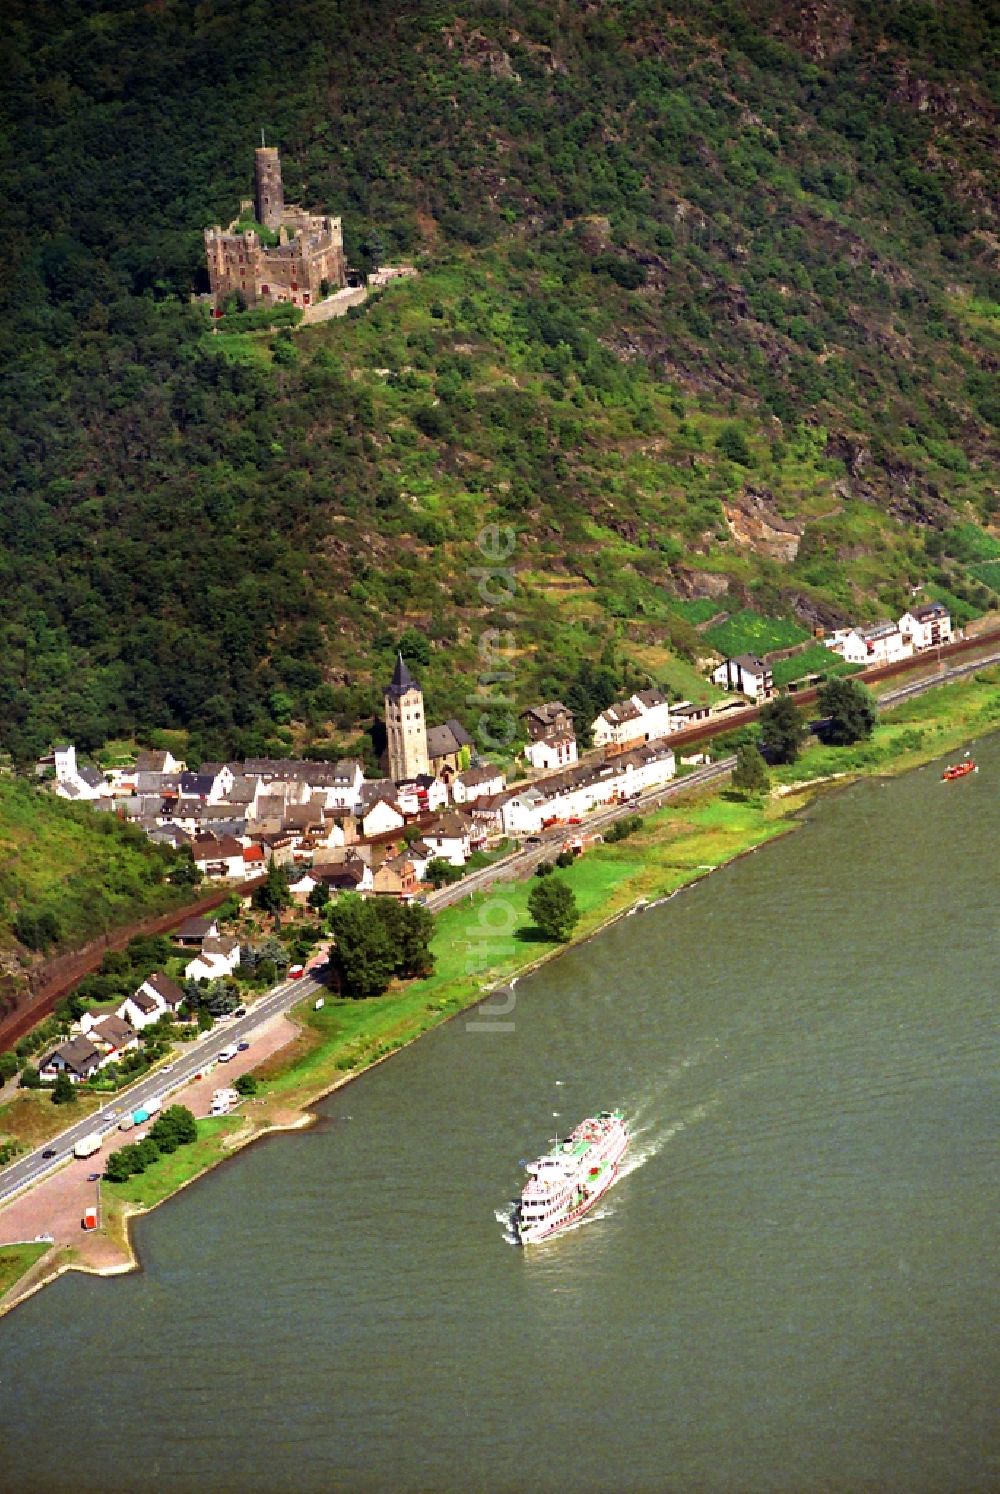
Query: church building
[[405, 726]]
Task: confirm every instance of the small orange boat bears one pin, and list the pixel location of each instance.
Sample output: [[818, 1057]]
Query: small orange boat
[[958, 770]]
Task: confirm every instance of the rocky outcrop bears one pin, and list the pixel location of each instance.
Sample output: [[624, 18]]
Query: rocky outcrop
[[755, 524]]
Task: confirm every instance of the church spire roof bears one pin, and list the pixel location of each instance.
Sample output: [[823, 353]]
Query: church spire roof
[[402, 680]]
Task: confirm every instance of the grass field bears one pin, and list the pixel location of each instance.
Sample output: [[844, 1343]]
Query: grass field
[[15, 1260], [30, 1118], [815, 660], [748, 632], [171, 1172]]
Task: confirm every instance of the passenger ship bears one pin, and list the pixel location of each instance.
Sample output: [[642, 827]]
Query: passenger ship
[[566, 1182]]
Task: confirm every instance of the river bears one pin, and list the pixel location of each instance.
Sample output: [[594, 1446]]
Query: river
[[793, 1287]]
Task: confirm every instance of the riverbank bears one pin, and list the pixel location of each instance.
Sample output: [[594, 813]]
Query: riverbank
[[484, 943]]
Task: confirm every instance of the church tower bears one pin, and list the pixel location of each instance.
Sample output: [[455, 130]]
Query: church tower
[[405, 725], [269, 194]]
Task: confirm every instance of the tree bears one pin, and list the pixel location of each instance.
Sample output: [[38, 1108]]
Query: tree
[[553, 908], [29, 1078], [273, 895], [246, 1084], [319, 896], [377, 938], [440, 872], [850, 712], [781, 730], [362, 952], [412, 927], [63, 1092], [8, 1066], [750, 773]]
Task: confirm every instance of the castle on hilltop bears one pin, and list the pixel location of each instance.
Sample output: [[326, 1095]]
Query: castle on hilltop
[[297, 253]]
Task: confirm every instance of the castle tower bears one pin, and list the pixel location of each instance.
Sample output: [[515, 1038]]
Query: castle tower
[[269, 194], [405, 725]]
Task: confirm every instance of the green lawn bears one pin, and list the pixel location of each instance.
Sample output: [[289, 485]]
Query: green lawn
[[816, 660], [171, 1172], [15, 1260], [748, 632]]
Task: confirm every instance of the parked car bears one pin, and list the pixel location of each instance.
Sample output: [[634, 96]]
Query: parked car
[[294, 971], [242, 1047], [226, 1054], [240, 1011], [533, 840], [93, 1177]]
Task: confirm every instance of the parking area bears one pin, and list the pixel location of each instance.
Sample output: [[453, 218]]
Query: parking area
[[56, 1206]]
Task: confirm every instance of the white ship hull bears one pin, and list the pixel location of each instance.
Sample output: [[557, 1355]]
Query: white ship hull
[[565, 1184]]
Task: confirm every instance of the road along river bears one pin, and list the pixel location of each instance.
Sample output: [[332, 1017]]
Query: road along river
[[792, 1288]]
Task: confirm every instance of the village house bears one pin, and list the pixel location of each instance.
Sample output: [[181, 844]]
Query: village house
[[644, 717], [194, 930], [150, 761], [420, 854], [547, 720], [747, 674], [383, 816], [477, 783], [218, 859], [141, 1009], [113, 1036], [78, 1058], [521, 811], [344, 876], [875, 643], [218, 957], [166, 991], [449, 838], [551, 754], [551, 737], [422, 795], [926, 626], [686, 713], [396, 877], [487, 816]]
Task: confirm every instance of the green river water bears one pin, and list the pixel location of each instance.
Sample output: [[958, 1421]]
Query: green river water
[[793, 1287]]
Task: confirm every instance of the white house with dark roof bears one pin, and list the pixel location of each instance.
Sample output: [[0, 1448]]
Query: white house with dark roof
[[217, 957], [644, 717], [927, 625], [383, 816], [140, 1009], [164, 990], [449, 838], [875, 643], [113, 1036], [521, 811], [477, 783], [748, 675], [79, 1058], [551, 754], [218, 857]]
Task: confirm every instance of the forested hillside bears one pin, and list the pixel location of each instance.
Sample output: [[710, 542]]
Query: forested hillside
[[709, 312]]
